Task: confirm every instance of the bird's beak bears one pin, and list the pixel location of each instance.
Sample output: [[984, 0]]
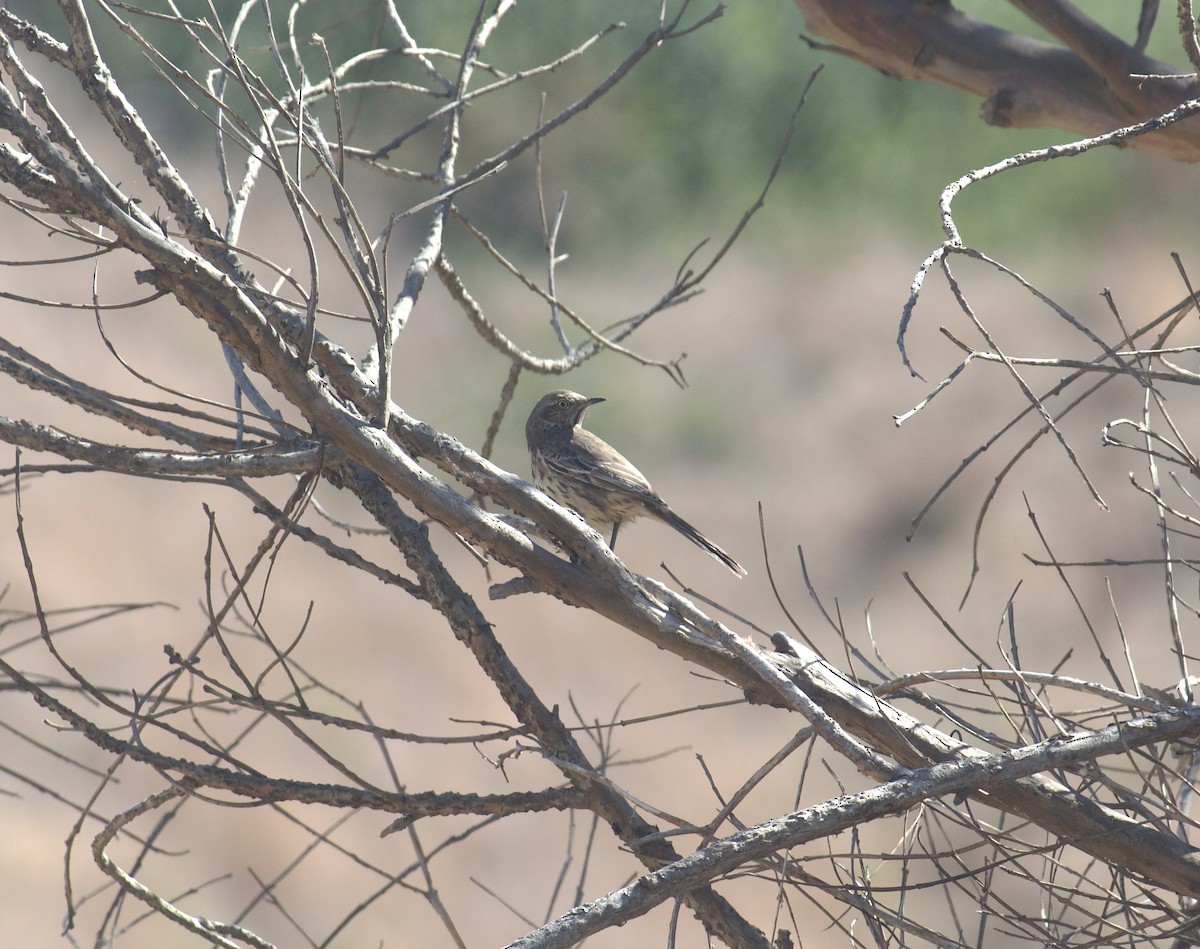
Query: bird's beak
[[594, 399]]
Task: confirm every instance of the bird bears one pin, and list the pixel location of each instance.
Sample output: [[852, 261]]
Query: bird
[[583, 472]]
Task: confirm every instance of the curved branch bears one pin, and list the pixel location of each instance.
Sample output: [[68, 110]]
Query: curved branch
[[851, 811]]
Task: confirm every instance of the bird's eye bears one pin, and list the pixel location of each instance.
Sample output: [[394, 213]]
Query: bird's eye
[[562, 403]]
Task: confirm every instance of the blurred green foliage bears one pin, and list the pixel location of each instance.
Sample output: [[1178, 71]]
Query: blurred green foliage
[[678, 149]]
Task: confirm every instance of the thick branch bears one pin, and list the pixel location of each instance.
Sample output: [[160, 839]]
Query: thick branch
[[251, 463], [1101, 831], [1089, 86]]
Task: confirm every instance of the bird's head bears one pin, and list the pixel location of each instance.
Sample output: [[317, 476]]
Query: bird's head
[[561, 409]]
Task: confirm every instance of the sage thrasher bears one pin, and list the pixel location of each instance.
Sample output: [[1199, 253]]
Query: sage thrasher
[[585, 473]]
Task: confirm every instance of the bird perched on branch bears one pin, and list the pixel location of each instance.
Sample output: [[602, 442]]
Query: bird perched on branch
[[585, 473]]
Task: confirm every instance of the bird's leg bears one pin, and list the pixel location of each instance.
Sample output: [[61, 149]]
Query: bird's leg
[[612, 544]]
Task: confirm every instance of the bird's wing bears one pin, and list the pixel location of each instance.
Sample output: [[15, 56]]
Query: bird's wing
[[617, 472]]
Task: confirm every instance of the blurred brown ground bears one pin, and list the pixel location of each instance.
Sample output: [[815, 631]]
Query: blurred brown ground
[[794, 378]]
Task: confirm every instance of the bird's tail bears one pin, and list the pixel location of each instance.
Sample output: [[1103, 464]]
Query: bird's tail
[[700, 540]]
